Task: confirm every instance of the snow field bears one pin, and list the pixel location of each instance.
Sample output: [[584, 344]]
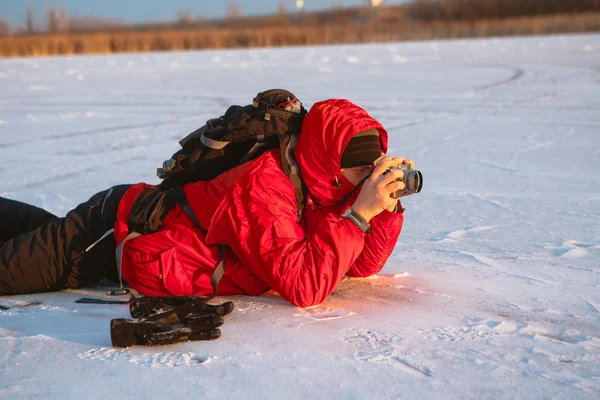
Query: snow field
[[493, 290]]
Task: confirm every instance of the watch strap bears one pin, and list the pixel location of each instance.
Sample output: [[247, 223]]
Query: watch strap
[[358, 220]]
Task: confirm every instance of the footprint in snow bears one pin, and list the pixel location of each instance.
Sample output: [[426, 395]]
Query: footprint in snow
[[248, 307], [380, 347], [317, 314], [146, 359], [457, 333], [481, 328], [460, 234]]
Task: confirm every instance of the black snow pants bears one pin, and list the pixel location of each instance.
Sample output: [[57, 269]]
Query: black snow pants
[[40, 252]]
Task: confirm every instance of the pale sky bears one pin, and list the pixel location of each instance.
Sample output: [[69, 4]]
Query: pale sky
[[155, 10]]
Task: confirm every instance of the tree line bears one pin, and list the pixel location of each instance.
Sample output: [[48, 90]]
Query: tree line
[[58, 20], [473, 10], [421, 19]]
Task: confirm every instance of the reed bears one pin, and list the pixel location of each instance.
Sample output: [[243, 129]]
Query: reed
[[385, 27], [475, 10]]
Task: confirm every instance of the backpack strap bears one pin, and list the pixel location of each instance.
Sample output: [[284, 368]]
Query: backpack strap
[[178, 194], [292, 170], [212, 143], [218, 272], [119, 258]]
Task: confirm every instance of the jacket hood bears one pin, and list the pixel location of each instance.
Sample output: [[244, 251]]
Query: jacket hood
[[326, 130]]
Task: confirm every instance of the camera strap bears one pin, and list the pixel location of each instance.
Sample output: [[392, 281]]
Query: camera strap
[[353, 192]]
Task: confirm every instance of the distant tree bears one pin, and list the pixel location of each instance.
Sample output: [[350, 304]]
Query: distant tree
[[282, 14], [52, 21], [4, 27], [29, 23], [90, 24], [202, 20], [282, 9], [338, 14], [57, 20], [234, 10], [63, 20], [184, 17]]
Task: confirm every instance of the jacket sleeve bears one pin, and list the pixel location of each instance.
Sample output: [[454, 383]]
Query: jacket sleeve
[[258, 223], [379, 244]]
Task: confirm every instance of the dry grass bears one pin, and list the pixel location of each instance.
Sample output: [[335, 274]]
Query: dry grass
[[382, 29], [474, 10]]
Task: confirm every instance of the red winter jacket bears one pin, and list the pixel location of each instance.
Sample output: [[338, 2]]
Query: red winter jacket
[[252, 209]]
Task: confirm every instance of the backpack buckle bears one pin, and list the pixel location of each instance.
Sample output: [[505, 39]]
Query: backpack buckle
[[118, 292]]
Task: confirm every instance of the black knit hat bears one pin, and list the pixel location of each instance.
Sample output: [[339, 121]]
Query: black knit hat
[[363, 149]]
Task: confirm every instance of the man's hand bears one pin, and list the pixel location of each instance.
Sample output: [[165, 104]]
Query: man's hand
[[377, 189]]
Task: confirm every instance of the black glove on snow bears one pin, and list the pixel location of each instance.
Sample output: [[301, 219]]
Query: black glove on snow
[[147, 306], [167, 320]]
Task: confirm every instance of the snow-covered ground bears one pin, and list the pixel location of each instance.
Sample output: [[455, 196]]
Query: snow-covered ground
[[493, 290]]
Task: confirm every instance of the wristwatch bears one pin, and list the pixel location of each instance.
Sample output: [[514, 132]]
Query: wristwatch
[[355, 217]]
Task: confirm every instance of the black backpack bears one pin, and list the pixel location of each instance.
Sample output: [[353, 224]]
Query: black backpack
[[273, 120], [241, 134]]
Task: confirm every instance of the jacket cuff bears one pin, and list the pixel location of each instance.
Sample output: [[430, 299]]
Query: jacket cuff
[[352, 227], [390, 214]]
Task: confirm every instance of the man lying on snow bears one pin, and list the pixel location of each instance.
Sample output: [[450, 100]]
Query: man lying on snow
[[251, 209]]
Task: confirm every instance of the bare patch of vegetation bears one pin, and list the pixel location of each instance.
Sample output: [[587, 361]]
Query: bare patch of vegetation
[[422, 19]]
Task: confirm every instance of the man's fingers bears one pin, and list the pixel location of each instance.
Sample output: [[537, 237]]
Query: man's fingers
[[394, 187], [390, 177], [383, 165], [409, 161], [379, 158], [388, 160]]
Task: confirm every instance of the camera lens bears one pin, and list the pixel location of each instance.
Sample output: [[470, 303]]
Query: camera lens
[[414, 181]]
